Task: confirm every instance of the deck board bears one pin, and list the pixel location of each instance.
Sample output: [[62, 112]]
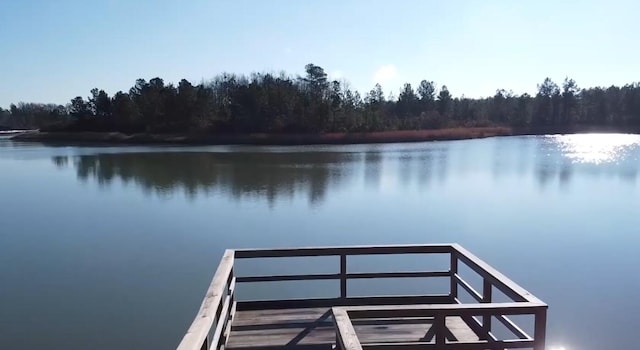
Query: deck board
[[313, 328]]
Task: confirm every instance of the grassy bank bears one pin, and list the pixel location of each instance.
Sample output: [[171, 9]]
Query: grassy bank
[[307, 139], [267, 139]]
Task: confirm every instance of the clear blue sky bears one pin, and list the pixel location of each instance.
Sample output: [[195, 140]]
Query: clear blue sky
[[51, 51]]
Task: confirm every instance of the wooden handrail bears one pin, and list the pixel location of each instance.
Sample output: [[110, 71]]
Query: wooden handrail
[[350, 250], [497, 279], [427, 310], [197, 334]]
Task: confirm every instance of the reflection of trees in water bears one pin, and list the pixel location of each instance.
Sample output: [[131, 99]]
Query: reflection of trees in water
[[422, 166], [60, 161], [547, 170], [269, 175], [412, 166], [372, 168]]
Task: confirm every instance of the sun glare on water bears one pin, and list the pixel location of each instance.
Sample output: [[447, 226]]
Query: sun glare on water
[[596, 148]]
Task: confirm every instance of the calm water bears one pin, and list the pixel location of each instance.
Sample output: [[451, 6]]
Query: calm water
[[114, 247]]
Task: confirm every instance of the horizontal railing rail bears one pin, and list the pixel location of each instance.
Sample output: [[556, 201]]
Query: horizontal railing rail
[[350, 250]]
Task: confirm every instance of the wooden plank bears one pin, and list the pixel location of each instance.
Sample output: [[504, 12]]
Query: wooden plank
[[284, 337], [474, 293], [280, 317], [199, 330], [319, 346], [346, 334], [500, 281], [326, 334], [268, 328], [349, 250], [475, 345], [350, 301], [460, 329]]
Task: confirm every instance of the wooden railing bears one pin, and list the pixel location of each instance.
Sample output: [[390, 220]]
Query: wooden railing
[[348, 340], [344, 276], [210, 329]]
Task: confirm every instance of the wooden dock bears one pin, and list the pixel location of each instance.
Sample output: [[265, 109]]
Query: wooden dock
[[426, 321]]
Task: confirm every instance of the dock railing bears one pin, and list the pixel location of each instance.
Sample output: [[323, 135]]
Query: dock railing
[[211, 327]]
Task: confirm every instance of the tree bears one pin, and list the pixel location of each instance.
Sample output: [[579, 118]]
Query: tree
[[316, 78], [427, 92], [100, 103], [548, 88], [570, 92], [126, 114], [264, 102], [375, 96], [547, 103], [407, 105], [79, 108], [444, 101], [187, 96]]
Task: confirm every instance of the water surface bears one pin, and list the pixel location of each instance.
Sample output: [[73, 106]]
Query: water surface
[[115, 246]]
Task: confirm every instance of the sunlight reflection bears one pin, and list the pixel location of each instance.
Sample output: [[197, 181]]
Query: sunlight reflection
[[557, 348], [596, 148]]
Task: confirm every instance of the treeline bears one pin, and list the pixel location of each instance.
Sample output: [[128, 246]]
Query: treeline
[[312, 103]]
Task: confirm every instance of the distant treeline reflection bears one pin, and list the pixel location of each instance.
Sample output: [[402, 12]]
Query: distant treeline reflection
[[269, 175], [282, 175]]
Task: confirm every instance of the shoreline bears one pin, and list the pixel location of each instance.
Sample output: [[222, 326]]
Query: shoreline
[[115, 138]]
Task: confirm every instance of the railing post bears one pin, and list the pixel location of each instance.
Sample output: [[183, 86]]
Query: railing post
[[439, 323], [486, 298], [454, 281], [540, 328], [343, 276]]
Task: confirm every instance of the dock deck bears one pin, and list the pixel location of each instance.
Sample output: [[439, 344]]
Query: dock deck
[[425, 321]]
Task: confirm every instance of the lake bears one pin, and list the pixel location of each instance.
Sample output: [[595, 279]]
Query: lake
[[114, 247]]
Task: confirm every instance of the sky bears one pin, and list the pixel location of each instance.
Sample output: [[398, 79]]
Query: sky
[[52, 51]]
